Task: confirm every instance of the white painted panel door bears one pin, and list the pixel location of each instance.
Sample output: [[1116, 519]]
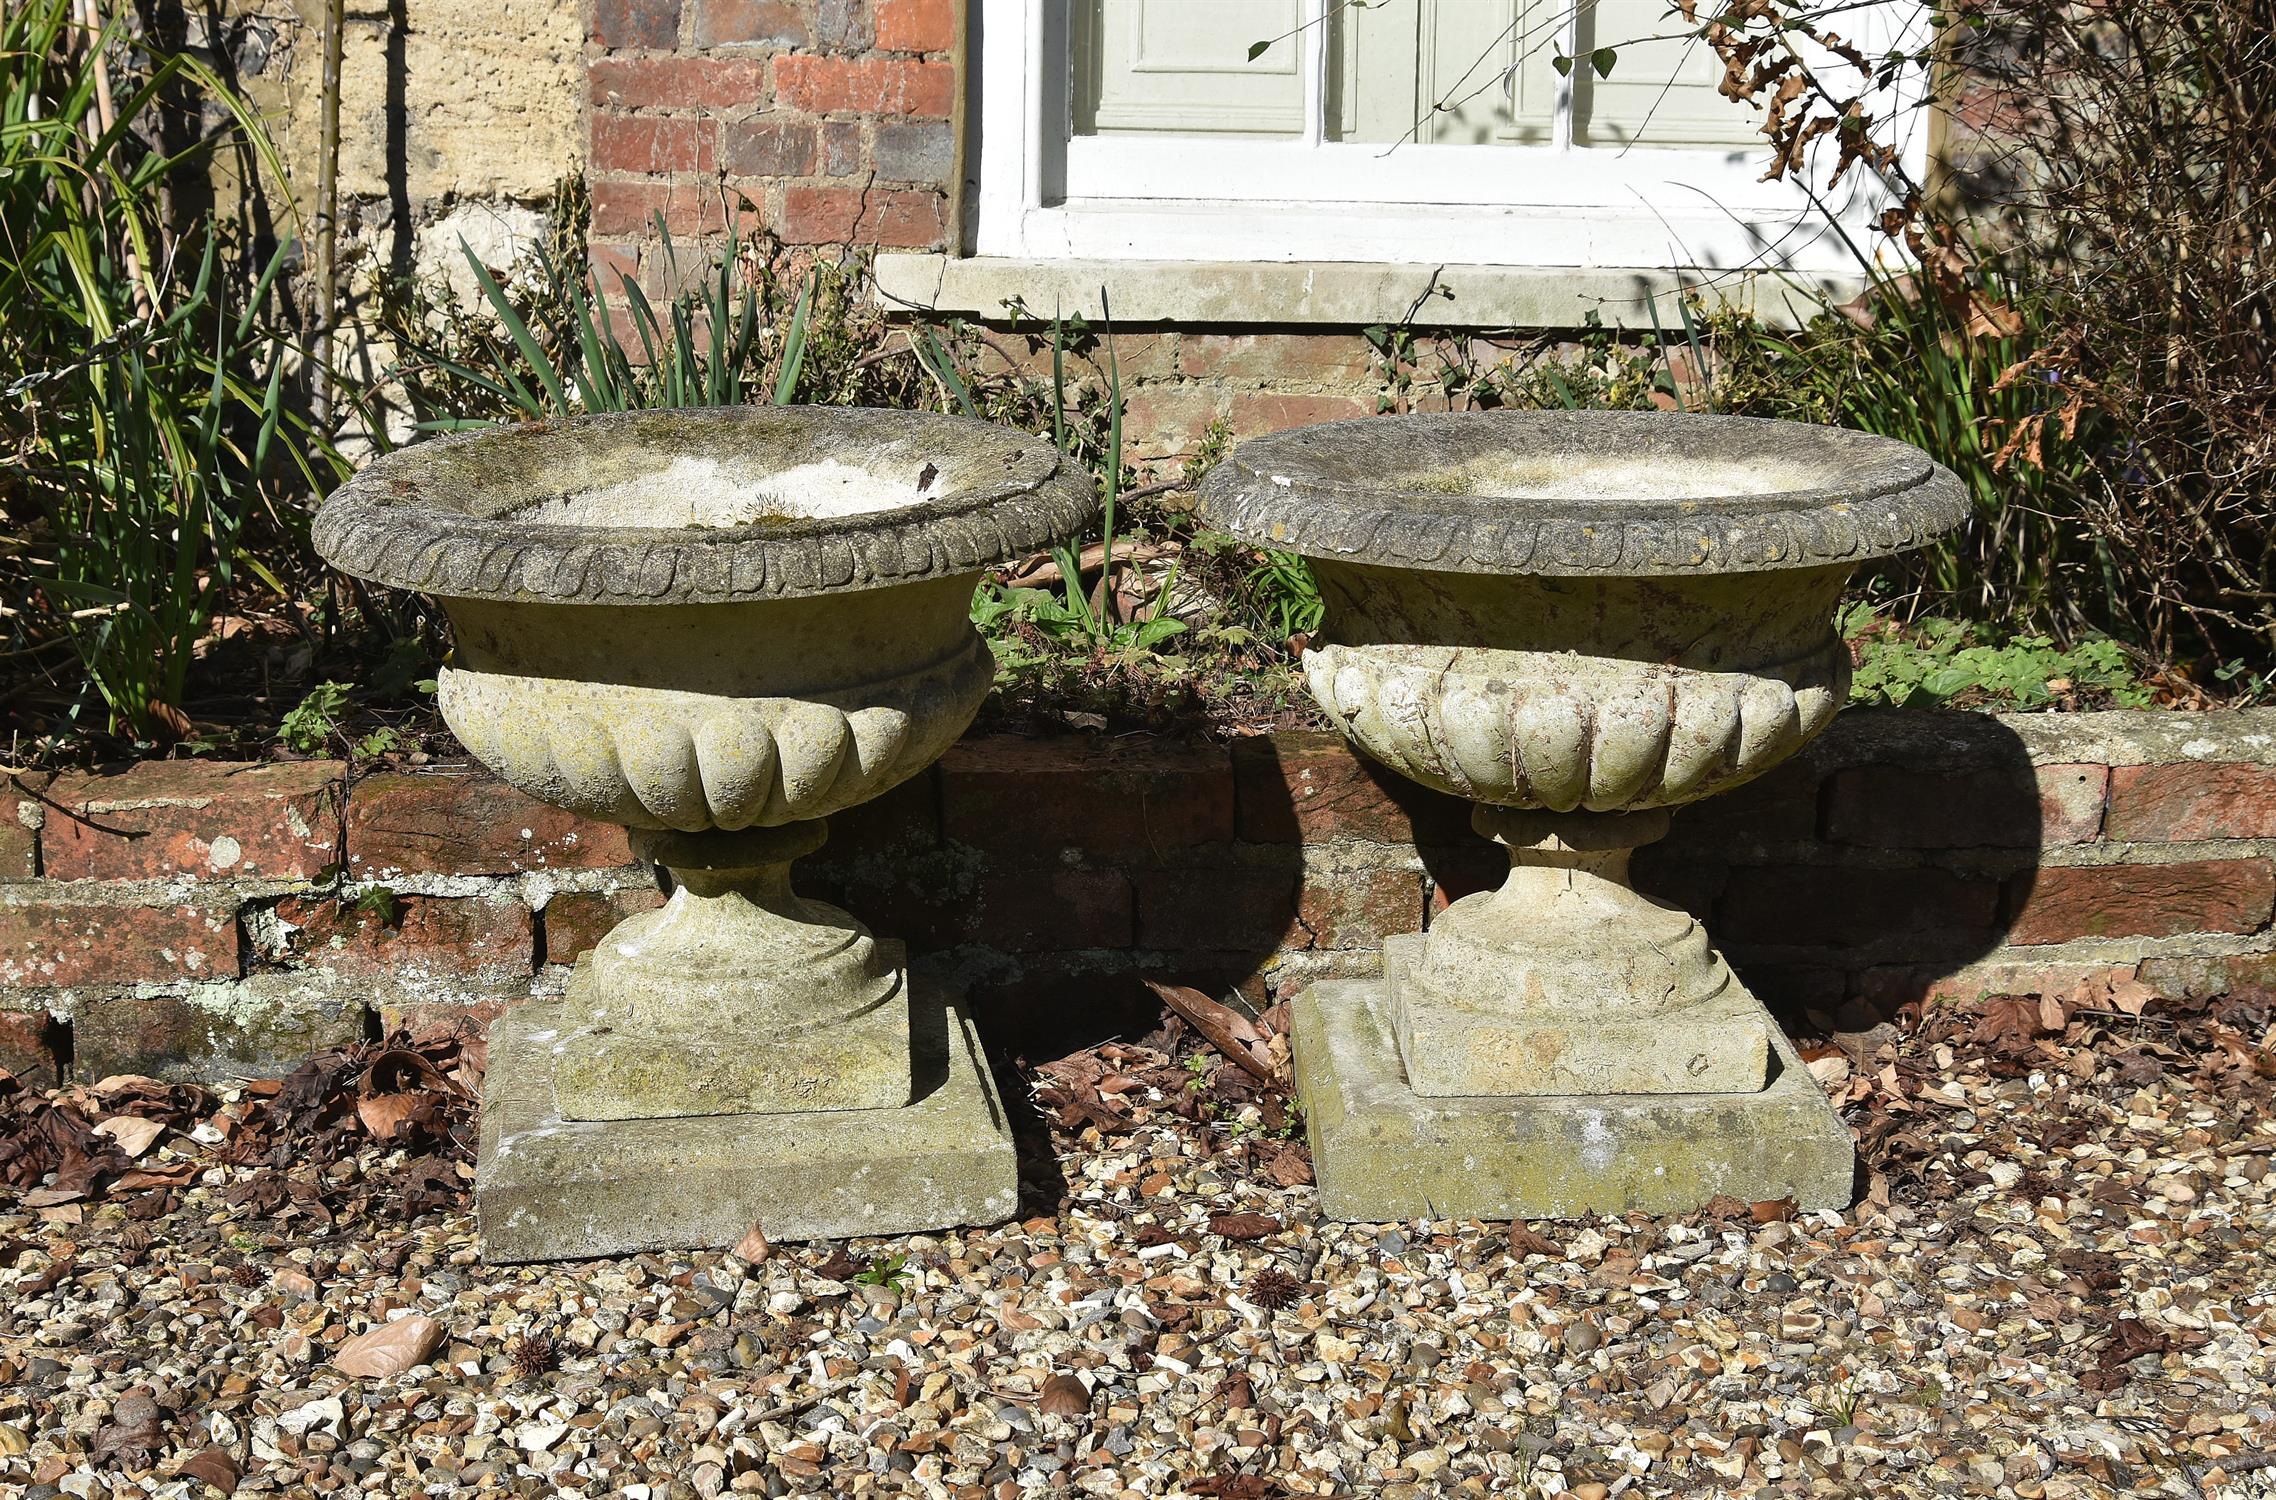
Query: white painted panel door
[[1445, 72], [1181, 67], [1662, 90]]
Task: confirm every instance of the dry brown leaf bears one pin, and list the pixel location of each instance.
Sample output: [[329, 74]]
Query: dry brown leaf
[[1063, 1396], [1774, 1210], [116, 1082], [134, 1134], [2008, 1021], [170, 724], [1292, 1167], [753, 1246], [384, 1114], [147, 1177], [1244, 1226], [1226, 1029], [1524, 1240], [2053, 1016], [2132, 996], [214, 1466], [390, 1348]]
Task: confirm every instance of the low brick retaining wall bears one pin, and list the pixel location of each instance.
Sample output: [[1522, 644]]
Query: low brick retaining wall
[[195, 919]]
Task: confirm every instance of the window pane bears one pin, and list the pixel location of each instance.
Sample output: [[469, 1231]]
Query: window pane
[[1181, 67], [1661, 90], [1444, 72]]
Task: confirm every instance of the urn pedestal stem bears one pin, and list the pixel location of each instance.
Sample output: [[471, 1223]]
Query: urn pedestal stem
[[1566, 980], [737, 997]]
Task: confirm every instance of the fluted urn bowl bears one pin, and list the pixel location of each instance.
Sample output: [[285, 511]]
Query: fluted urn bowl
[[716, 627], [1577, 620], [708, 619]]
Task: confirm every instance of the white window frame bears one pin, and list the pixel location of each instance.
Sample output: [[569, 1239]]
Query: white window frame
[[1043, 195]]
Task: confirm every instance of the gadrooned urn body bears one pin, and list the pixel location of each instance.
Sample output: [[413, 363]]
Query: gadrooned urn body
[[701, 619], [1600, 611]]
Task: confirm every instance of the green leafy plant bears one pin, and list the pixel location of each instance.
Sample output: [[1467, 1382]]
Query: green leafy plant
[[552, 337], [309, 725], [1284, 591], [887, 1271], [379, 902], [1938, 661], [698, 352]]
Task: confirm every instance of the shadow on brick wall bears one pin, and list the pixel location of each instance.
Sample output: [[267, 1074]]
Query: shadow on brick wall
[[1051, 878], [1894, 851]]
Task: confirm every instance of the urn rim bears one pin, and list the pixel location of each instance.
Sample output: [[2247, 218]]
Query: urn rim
[[533, 512], [1602, 493]]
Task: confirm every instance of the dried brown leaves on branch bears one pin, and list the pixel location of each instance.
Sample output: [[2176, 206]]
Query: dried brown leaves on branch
[[2107, 169]]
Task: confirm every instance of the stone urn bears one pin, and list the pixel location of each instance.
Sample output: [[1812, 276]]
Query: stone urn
[[718, 627], [1577, 621]]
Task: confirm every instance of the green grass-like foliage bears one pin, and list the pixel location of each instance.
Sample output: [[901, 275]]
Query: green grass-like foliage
[[145, 398], [555, 337]]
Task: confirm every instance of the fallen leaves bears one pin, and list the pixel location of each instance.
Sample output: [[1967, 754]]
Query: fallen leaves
[[2130, 1339], [1223, 1027], [1063, 1396], [1524, 1241], [136, 1134], [135, 1432], [1242, 1107], [389, 1349], [144, 1137], [752, 1247], [1244, 1226], [213, 1466]]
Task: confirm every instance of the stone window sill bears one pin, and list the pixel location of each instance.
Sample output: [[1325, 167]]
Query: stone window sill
[[1338, 293]]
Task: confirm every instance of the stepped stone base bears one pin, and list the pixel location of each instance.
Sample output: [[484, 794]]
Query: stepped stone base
[[553, 1189], [1383, 1152], [1717, 1044]]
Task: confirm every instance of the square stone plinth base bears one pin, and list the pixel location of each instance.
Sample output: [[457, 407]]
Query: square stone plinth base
[[553, 1189], [1383, 1152]]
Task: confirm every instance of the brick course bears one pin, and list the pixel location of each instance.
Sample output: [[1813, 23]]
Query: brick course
[[2221, 800], [1893, 862], [194, 819], [62, 945], [480, 938], [817, 120], [2145, 900], [459, 822], [916, 25]]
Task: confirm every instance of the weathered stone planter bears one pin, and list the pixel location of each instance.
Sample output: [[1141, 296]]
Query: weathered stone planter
[[717, 628], [1578, 621]]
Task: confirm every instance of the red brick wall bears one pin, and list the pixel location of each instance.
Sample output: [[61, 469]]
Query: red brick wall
[[191, 918], [823, 121]]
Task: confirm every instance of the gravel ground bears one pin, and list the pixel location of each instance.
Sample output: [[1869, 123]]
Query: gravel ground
[[2056, 1284]]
